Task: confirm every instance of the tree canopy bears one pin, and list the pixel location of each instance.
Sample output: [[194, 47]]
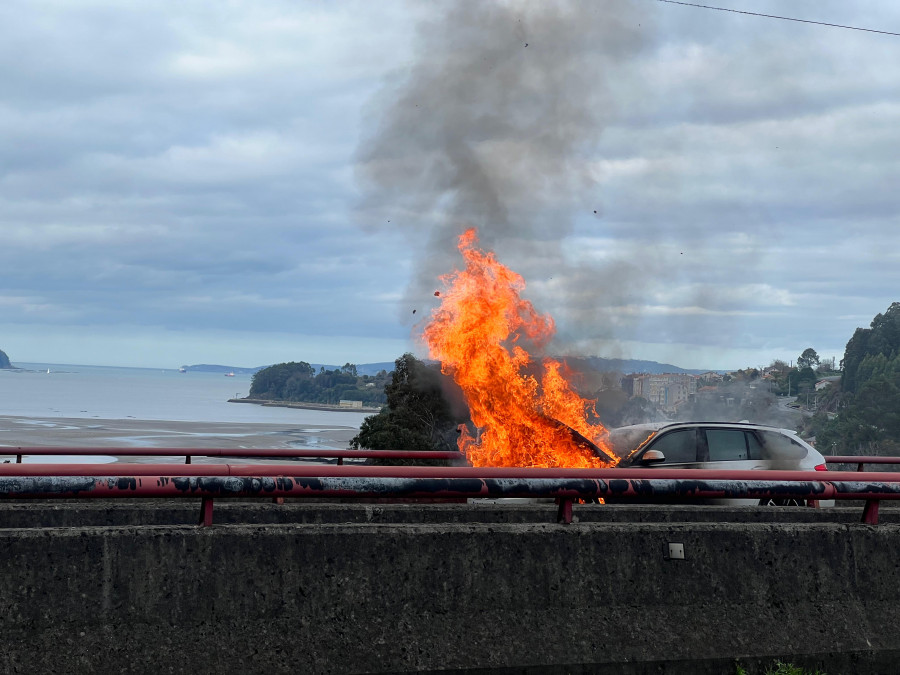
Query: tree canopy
[[794, 381], [882, 337], [808, 359], [298, 381], [868, 419], [419, 414]]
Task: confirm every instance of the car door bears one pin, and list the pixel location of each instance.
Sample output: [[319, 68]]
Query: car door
[[732, 449], [678, 446]]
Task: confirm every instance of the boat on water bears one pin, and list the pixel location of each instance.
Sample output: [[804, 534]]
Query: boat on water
[[229, 374], [182, 369]]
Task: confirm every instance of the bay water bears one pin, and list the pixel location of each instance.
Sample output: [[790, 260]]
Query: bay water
[[41, 390]]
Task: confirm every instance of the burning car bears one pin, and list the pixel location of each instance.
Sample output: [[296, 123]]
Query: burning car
[[714, 445], [525, 408]]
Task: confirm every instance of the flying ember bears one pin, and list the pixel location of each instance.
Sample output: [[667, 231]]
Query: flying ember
[[526, 412]]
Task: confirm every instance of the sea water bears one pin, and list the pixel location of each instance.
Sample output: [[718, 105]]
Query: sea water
[[61, 390]]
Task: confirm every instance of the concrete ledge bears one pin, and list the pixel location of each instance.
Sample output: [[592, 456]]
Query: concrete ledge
[[336, 598], [93, 512]]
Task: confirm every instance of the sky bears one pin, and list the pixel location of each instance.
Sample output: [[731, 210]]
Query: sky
[[248, 183]]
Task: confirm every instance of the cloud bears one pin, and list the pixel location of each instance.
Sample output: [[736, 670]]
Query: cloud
[[659, 174]]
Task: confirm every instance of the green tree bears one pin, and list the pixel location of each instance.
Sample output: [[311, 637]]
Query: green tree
[[300, 382], [802, 381], [808, 359], [868, 410], [418, 415], [882, 337], [272, 382]]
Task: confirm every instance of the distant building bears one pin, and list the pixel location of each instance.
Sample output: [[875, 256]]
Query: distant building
[[350, 404], [825, 381], [632, 385], [668, 390]]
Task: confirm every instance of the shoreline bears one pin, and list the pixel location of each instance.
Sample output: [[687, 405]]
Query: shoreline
[[268, 403], [19, 431]]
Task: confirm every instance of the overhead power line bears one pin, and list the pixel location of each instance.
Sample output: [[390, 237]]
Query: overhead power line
[[783, 18]]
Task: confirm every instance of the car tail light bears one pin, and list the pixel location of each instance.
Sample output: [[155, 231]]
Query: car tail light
[[821, 467]]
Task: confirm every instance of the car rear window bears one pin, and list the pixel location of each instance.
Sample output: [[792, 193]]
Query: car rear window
[[780, 446]]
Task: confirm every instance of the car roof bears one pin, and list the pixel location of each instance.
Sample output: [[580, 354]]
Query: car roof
[[659, 426]]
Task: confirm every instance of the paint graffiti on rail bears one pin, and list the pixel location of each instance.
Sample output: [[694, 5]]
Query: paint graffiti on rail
[[49, 485]]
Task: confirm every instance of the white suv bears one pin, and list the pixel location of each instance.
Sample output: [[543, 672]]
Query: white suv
[[714, 445]]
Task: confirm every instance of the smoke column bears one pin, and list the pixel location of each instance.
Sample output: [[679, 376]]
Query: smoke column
[[494, 126]]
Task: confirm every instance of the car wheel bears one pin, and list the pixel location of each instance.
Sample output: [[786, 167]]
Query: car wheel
[[782, 502]]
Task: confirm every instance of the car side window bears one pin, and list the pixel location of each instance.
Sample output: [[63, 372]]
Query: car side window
[[677, 446], [727, 445]]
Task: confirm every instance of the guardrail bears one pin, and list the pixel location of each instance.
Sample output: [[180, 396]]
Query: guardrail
[[860, 460], [277, 481]]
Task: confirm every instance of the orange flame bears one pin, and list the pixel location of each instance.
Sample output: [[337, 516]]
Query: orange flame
[[476, 334]]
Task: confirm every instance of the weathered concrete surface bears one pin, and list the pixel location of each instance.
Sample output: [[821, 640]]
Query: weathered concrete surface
[[514, 597]]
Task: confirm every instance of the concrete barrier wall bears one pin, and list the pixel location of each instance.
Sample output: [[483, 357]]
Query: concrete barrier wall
[[515, 597]]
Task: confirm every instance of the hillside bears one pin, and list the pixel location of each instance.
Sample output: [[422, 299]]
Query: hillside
[[597, 363], [605, 365]]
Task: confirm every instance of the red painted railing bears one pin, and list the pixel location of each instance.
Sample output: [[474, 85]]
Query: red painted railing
[[860, 460], [277, 481]]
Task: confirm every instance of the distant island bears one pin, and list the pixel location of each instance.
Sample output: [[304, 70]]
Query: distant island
[[363, 369], [212, 368], [301, 382], [4, 360]]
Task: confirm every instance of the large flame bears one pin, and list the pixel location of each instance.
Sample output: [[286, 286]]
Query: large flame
[[477, 333]]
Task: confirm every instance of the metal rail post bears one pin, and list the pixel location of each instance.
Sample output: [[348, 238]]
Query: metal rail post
[[206, 512], [870, 513]]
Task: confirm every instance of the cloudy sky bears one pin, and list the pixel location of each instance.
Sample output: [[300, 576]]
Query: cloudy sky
[[255, 182]]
